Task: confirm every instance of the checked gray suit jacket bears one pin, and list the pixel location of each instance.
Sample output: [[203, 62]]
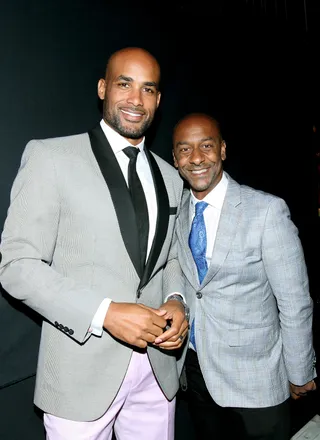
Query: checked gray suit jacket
[[68, 242], [253, 311]]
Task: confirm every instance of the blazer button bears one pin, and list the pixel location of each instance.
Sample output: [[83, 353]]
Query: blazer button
[[71, 332], [56, 323], [199, 295]]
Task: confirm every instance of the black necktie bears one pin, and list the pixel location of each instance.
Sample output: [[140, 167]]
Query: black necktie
[[139, 202]]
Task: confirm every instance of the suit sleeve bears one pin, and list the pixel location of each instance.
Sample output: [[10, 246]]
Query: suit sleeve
[[173, 280], [28, 244], [287, 273]]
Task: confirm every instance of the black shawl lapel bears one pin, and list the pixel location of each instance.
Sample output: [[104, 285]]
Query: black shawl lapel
[[162, 220], [120, 195]]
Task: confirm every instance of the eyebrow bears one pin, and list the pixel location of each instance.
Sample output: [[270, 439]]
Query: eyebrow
[[209, 138], [129, 79]]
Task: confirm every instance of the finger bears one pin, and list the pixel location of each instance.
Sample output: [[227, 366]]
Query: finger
[[146, 338], [155, 330], [159, 321], [155, 320], [167, 346], [185, 326], [177, 337], [304, 390], [149, 338], [297, 393], [172, 345], [168, 334], [185, 333], [141, 343], [174, 329], [159, 312], [167, 316], [178, 329], [312, 386], [171, 335]]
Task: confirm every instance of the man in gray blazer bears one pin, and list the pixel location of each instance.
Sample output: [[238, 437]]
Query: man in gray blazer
[[72, 251], [247, 288]]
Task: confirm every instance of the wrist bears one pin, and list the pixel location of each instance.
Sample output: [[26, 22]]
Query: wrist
[[177, 297]]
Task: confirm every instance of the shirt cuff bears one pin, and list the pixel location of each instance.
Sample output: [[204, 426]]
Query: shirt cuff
[[96, 327]]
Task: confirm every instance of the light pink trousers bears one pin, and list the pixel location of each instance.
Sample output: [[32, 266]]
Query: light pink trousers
[[140, 411]]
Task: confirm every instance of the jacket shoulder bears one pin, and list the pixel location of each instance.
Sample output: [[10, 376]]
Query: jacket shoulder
[[259, 199], [166, 168], [72, 146]]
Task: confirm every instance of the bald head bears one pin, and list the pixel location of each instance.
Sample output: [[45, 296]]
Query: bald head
[[197, 120], [130, 92], [135, 55]]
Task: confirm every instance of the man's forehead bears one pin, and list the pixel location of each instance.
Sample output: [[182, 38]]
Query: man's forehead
[[141, 70], [193, 127]]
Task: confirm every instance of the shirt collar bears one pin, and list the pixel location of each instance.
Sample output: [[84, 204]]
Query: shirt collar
[[116, 141], [215, 197]]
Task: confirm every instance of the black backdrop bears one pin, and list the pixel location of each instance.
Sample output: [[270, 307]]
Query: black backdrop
[[254, 70]]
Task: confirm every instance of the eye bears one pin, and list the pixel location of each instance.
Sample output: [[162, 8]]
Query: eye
[[206, 146], [123, 85], [149, 90]]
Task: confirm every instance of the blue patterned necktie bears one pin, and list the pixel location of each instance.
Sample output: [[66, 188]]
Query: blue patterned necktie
[[198, 247]]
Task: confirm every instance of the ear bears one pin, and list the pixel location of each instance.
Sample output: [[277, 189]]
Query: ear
[[101, 88], [175, 163], [223, 150], [158, 98]]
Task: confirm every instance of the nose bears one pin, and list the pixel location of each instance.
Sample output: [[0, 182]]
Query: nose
[[135, 97], [196, 157]]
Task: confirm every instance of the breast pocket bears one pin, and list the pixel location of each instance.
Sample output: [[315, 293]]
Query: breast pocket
[[254, 340]]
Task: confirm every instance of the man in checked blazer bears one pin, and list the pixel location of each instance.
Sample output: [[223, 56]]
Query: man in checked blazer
[[71, 251], [252, 312]]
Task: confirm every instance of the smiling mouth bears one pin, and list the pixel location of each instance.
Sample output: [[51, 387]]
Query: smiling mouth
[[199, 172], [132, 114]]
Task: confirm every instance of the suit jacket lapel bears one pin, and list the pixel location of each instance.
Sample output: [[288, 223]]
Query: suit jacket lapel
[[183, 230], [120, 195], [227, 228], [162, 219]]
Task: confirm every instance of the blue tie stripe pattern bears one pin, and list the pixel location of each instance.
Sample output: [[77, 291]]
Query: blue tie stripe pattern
[[198, 247]]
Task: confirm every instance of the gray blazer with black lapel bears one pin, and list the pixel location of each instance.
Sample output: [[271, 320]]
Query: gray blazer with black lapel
[[68, 242], [253, 311]]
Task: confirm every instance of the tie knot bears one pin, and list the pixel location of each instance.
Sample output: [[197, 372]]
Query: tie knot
[[131, 152], [200, 207]]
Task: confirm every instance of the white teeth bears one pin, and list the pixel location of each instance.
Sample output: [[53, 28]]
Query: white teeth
[[131, 114], [199, 171]]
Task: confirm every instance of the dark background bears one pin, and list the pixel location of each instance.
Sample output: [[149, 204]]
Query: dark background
[[252, 64]]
